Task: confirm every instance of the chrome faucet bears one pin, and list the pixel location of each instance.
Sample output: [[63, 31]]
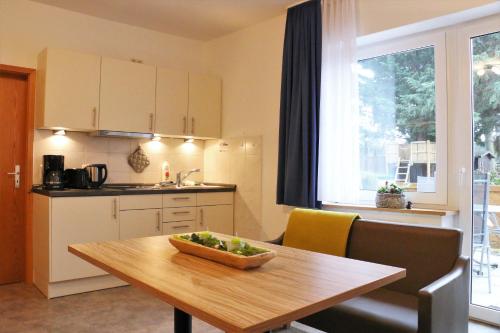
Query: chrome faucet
[[179, 179]]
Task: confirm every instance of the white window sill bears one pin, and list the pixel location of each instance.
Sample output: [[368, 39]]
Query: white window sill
[[413, 211]]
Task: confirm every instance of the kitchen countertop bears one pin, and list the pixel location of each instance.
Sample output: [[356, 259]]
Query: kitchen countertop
[[109, 191]]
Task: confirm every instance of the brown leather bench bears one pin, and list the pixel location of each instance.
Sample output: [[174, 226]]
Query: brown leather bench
[[433, 298]]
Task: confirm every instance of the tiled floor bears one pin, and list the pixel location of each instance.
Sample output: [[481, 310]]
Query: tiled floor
[[124, 310]]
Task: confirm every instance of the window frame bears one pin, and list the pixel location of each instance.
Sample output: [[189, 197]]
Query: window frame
[[438, 41]]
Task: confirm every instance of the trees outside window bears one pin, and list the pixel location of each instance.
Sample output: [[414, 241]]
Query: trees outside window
[[397, 107], [486, 95]]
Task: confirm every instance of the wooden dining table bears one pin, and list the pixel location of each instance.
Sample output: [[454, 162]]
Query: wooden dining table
[[295, 284]]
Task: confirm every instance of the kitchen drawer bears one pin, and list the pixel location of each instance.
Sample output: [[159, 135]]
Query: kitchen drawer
[[217, 198], [179, 200], [145, 201], [178, 227], [179, 214]]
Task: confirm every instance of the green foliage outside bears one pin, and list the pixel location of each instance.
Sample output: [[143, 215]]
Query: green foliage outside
[[401, 95], [486, 53], [486, 50]]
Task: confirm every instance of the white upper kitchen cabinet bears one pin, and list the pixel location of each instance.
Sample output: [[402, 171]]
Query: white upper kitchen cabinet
[[171, 101], [67, 92], [80, 220], [204, 107], [127, 96]]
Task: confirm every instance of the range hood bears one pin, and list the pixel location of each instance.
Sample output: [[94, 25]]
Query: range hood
[[118, 134]]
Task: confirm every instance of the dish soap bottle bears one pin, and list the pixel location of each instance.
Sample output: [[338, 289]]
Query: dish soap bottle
[[165, 172]]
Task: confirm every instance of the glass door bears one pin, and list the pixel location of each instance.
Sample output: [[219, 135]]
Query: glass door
[[485, 231]]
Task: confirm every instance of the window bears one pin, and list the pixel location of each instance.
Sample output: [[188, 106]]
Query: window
[[402, 123]]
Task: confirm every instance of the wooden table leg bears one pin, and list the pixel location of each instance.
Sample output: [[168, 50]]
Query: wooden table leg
[[182, 321]]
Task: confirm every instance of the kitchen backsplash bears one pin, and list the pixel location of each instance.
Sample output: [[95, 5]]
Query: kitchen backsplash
[[80, 149], [239, 161]]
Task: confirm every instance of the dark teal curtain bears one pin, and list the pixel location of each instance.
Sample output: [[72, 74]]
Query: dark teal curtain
[[299, 108]]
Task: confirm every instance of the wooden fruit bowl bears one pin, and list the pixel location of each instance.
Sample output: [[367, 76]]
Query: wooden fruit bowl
[[222, 257]]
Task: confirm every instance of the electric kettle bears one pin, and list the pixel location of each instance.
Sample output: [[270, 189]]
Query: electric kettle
[[97, 174]]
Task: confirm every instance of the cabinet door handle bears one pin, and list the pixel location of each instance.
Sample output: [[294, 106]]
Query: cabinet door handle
[[180, 226], [177, 213], [192, 125], [201, 217], [184, 128], [94, 117], [151, 119], [158, 220], [115, 209], [181, 198]]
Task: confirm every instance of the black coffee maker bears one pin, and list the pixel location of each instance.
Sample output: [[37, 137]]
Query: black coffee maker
[[53, 169]]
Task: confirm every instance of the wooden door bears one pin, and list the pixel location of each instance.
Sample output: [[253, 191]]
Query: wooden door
[[140, 223], [204, 106], [13, 137], [80, 220], [215, 218], [171, 101], [127, 96], [68, 90]]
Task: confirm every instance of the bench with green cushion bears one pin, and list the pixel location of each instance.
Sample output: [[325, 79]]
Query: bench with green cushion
[[433, 298]]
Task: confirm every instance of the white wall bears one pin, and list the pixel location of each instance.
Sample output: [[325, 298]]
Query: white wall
[[27, 27]]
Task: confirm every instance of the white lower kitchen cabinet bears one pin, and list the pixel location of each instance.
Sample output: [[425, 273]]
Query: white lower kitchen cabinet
[[218, 218], [80, 220], [62, 221], [140, 223], [59, 222]]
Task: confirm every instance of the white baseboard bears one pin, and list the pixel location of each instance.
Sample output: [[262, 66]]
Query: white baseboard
[[64, 288]]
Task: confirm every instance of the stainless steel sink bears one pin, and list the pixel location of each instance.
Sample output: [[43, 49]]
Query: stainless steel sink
[[138, 187], [200, 186], [132, 187]]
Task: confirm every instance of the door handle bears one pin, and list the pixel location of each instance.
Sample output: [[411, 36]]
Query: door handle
[[192, 125], [17, 175], [184, 120]]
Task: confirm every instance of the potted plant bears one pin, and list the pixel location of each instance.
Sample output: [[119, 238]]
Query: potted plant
[[390, 196]]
